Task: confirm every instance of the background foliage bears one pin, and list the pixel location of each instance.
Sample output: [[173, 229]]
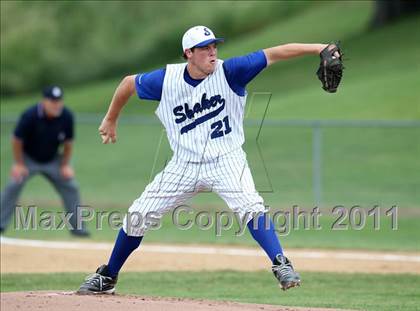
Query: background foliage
[[71, 42]]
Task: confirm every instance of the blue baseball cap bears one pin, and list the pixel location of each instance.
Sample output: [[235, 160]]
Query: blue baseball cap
[[53, 92]]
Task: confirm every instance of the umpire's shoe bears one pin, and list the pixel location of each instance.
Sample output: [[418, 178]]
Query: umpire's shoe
[[98, 283], [284, 272]]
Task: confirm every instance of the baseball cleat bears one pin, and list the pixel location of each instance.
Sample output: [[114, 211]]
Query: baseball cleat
[[98, 283], [283, 271]]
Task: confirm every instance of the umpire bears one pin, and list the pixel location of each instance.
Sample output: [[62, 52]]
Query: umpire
[[41, 131]]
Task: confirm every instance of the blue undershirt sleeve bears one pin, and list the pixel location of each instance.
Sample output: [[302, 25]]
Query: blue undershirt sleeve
[[239, 71], [149, 85]]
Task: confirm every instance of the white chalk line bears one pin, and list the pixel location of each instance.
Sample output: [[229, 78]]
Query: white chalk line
[[209, 250]]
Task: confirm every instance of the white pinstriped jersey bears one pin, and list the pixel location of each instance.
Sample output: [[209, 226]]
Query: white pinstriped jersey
[[201, 122], [204, 125]]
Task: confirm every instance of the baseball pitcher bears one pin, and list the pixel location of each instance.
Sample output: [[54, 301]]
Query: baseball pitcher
[[202, 104]]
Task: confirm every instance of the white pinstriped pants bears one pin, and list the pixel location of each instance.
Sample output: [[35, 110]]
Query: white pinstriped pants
[[229, 176]]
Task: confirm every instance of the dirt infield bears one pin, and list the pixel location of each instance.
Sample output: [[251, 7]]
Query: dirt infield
[[28, 256], [48, 257], [68, 301]]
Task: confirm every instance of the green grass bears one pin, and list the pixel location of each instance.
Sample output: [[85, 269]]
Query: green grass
[[378, 83], [138, 42], [364, 166], [360, 166], [368, 238], [333, 290]]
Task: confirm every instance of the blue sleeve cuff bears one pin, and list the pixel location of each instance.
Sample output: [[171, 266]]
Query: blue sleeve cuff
[[241, 70], [149, 84], [137, 83], [263, 57]]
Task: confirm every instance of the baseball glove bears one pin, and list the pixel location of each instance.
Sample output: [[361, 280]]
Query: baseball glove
[[331, 67]]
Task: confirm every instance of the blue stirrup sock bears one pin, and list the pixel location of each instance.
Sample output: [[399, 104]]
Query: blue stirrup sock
[[124, 246], [266, 238]]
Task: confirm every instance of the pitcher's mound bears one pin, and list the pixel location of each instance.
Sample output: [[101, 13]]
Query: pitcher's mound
[[68, 301]]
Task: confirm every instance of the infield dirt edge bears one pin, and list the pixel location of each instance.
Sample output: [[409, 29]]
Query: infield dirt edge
[[69, 301]]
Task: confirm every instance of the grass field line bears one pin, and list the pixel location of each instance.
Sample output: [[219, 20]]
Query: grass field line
[[208, 250]]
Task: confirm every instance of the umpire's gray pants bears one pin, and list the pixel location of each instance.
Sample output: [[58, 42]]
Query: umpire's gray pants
[[67, 188]]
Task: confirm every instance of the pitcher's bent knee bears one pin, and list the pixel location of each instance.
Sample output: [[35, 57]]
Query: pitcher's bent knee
[[137, 224], [251, 212]]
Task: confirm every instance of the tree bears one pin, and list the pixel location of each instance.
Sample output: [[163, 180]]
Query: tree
[[387, 11]]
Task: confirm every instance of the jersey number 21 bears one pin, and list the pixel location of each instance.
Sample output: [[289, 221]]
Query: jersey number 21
[[220, 128]]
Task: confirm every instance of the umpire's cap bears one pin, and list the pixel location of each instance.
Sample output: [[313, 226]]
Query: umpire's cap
[[53, 92]]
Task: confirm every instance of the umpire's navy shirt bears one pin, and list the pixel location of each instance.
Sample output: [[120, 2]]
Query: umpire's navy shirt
[[42, 136]]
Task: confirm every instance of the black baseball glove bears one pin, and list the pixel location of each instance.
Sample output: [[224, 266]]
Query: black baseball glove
[[331, 67]]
